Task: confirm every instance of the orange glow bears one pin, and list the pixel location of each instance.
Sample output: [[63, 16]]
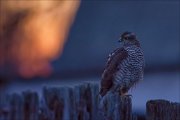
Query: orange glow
[[39, 35]]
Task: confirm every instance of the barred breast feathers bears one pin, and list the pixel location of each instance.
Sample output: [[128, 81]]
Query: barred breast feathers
[[135, 55], [131, 68]]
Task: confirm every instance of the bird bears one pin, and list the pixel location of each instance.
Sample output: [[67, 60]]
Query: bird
[[124, 67]]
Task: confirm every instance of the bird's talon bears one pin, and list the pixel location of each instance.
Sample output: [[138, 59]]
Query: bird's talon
[[129, 95]]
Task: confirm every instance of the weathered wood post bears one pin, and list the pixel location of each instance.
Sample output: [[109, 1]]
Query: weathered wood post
[[116, 107], [14, 106], [54, 102], [30, 105], [4, 107], [23, 106], [125, 108], [75, 102], [162, 110], [80, 102]]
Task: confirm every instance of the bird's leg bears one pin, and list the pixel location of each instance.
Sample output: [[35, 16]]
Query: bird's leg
[[129, 95], [123, 92]]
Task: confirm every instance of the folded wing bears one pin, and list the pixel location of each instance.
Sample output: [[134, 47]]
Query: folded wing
[[115, 58]]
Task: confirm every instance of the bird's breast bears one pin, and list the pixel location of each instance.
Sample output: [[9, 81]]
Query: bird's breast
[[131, 69]]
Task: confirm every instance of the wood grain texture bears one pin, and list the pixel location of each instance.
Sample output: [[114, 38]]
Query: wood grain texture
[[162, 110]]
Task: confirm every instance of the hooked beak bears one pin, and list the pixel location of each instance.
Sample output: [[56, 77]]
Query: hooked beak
[[120, 40]]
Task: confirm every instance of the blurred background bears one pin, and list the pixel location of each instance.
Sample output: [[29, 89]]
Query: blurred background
[[93, 34]]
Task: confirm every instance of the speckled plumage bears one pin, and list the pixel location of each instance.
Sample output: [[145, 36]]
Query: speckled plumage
[[124, 68], [131, 68]]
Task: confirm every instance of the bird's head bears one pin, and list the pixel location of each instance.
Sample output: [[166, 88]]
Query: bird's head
[[128, 38]]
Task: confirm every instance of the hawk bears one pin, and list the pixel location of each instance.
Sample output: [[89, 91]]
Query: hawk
[[125, 66]]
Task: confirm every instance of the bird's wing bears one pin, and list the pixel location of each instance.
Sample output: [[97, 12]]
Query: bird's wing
[[115, 58]]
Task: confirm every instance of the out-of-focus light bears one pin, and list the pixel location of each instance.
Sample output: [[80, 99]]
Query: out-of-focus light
[[33, 33]]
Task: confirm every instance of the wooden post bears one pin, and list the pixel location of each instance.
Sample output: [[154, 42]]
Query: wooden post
[[134, 117], [125, 108], [54, 102], [162, 110], [30, 106], [4, 107], [23, 106], [116, 107], [76, 102], [15, 106], [85, 101]]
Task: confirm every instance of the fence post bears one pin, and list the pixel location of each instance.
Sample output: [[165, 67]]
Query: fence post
[[162, 110], [75, 102]]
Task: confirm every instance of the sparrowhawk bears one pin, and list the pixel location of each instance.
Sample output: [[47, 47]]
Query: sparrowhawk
[[125, 66]]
